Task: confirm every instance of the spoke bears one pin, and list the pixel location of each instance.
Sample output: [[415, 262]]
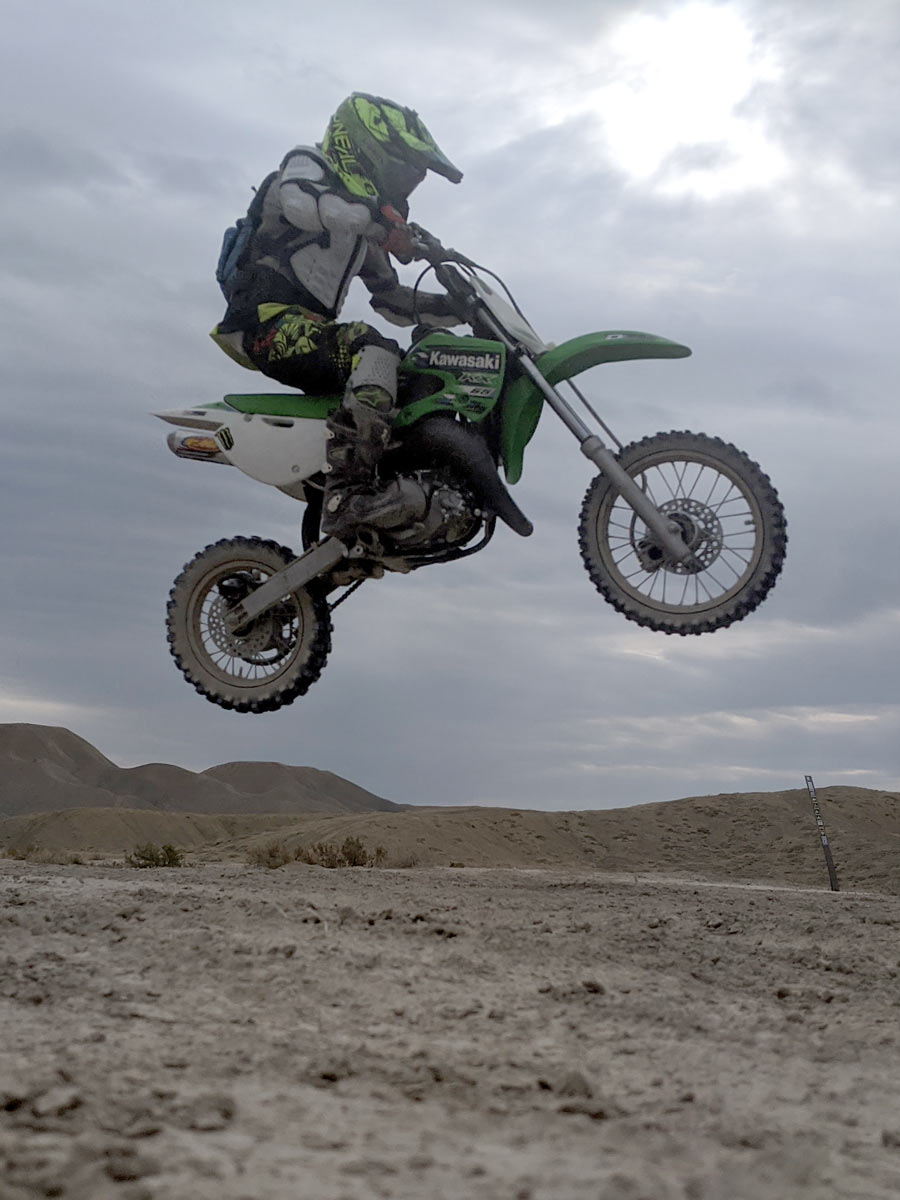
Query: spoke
[[680, 476], [701, 584], [647, 489], [744, 562], [733, 494], [664, 483], [721, 586], [715, 483], [639, 571], [620, 518], [729, 567], [697, 478]]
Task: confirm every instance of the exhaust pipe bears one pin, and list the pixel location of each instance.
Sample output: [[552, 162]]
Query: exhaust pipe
[[201, 447], [439, 439]]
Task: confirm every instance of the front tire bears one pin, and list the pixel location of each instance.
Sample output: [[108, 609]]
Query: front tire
[[729, 514], [272, 660]]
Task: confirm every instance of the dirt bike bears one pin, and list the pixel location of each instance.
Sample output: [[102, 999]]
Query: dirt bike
[[680, 532]]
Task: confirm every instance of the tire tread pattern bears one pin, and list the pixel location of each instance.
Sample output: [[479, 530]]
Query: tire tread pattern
[[319, 647], [756, 588]]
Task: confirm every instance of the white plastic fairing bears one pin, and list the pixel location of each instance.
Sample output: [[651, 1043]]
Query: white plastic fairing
[[281, 451], [193, 418], [513, 322]]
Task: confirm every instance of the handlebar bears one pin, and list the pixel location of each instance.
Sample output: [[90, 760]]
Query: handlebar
[[427, 248]]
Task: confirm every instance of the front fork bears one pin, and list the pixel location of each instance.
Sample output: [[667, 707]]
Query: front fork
[[667, 533]]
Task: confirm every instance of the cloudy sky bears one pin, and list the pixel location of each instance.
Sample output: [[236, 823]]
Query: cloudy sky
[[725, 174]]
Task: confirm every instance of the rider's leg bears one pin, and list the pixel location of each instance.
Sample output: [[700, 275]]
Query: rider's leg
[[304, 350], [359, 432]]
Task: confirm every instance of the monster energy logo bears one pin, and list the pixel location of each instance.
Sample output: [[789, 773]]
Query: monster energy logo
[[484, 362]]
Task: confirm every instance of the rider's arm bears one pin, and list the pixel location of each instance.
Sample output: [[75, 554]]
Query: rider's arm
[[399, 304]]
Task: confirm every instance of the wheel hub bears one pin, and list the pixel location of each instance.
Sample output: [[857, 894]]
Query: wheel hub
[[252, 640], [701, 531]]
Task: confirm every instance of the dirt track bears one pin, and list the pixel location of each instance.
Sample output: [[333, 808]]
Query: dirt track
[[228, 1033]]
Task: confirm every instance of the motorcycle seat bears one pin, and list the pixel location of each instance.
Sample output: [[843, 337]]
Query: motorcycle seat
[[284, 404]]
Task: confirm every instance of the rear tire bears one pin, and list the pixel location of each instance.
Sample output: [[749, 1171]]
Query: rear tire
[[268, 663], [728, 512]]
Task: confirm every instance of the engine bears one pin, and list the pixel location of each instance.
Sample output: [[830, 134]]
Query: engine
[[446, 513]]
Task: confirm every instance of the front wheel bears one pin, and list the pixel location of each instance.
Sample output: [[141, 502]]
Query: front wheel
[[269, 662], [728, 513]]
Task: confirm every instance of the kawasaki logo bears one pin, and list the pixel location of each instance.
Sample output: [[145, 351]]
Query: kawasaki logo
[[484, 362]]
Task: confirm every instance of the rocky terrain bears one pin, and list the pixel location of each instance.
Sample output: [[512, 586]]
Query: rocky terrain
[[225, 1032], [664, 1002]]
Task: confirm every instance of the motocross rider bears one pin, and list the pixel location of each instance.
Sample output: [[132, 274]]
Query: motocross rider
[[332, 212]]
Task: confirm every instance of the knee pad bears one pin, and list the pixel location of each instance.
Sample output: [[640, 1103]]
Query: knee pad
[[375, 367]]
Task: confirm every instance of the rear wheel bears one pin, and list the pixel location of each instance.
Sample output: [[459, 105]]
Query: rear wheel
[[727, 512], [271, 660]]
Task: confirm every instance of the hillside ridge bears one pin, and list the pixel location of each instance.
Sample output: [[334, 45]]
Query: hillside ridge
[[47, 768]]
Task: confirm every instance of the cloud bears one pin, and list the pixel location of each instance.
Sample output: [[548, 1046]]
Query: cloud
[[34, 161], [751, 215]]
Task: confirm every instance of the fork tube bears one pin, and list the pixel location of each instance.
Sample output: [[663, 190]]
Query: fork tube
[[593, 447]]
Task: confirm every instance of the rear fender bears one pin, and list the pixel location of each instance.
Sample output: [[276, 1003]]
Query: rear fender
[[281, 451], [523, 401], [277, 439]]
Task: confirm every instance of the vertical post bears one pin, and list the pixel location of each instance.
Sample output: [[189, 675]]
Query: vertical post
[[826, 849]]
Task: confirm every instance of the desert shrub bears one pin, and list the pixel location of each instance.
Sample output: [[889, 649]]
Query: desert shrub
[[403, 862], [321, 854], [272, 854], [34, 854], [151, 855], [353, 853], [21, 853]]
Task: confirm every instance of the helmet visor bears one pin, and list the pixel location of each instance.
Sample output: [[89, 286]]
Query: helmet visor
[[399, 179]]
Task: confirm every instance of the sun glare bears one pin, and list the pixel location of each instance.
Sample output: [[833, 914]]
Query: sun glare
[[667, 95]]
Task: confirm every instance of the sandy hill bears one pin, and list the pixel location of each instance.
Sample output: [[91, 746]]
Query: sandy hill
[[46, 769], [278, 788], [765, 836]]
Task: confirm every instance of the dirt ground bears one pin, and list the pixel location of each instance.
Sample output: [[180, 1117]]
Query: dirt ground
[[223, 1032]]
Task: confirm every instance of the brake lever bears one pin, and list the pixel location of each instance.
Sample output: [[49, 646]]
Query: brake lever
[[427, 246], [424, 245]]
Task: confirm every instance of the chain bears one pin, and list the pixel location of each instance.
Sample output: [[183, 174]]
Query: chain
[[349, 592]]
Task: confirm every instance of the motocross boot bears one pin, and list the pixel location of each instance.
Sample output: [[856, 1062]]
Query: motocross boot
[[358, 435]]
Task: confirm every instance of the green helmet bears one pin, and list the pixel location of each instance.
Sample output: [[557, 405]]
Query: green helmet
[[382, 150]]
